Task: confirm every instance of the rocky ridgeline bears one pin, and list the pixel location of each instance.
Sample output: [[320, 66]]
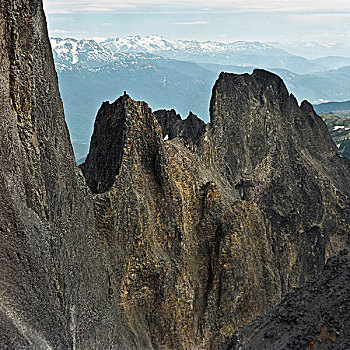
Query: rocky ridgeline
[[189, 231], [214, 223]]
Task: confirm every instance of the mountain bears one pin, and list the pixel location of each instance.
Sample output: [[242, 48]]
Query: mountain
[[157, 44], [165, 83], [194, 210], [332, 62], [319, 86], [53, 282], [241, 53], [332, 106], [89, 73], [313, 49], [160, 242], [83, 52], [314, 316]]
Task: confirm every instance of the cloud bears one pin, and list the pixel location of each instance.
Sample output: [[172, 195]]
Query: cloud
[[59, 31], [84, 6], [235, 6], [190, 23]]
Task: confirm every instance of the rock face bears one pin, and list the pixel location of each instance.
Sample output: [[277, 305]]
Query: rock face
[[206, 230], [196, 235], [173, 126], [281, 157], [315, 316], [54, 286]]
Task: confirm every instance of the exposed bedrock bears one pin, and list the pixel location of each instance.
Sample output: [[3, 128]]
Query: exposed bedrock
[[53, 283], [209, 228], [313, 317]]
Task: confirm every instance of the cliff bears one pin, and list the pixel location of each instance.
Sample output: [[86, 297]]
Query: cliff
[[213, 225], [314, 316], [54, 286]]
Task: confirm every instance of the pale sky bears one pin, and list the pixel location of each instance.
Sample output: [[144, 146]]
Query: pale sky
[[221, 20]]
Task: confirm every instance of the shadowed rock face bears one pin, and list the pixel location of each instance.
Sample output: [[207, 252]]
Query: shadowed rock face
[[203, 236], [315, 316], [173, 126], [54, 287]]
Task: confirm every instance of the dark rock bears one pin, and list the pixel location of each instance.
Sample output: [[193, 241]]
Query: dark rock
[[216, 224], [196, 236], [173, 126], [325, 317], [54, 286]]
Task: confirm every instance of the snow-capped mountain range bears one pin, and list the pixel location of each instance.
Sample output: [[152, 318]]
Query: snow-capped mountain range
[[176, 74], [89, 53], [71, 51], [242, 53], [158, 44]]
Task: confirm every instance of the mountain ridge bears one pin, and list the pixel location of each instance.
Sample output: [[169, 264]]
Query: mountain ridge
[[171, 83], [241, 53], [159, 43], [252, 185]]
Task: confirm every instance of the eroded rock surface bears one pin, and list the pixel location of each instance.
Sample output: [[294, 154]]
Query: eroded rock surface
[[203, 236], [313, 317], [173, 126], [54, 286]]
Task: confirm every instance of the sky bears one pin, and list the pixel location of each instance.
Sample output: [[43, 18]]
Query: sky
[[220, 20]]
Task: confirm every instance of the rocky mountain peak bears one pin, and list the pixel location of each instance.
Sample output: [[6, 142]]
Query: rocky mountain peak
[[173, 126], [117, 130], [248, 92], [256, 184], [264, 120]]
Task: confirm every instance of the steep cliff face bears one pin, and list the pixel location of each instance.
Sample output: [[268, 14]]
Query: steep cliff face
[[281, 157], [54, 287], [202, 236]]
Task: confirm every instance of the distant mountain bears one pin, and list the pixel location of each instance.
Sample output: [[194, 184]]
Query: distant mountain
[[90, 73], [333, 85], [83, 52], [332, 106], [239, 53], [313, 50], [332, 62], [242, 53], [156, 44]]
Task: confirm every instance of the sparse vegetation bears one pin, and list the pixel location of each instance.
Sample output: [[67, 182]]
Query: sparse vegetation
[[339, 128]]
